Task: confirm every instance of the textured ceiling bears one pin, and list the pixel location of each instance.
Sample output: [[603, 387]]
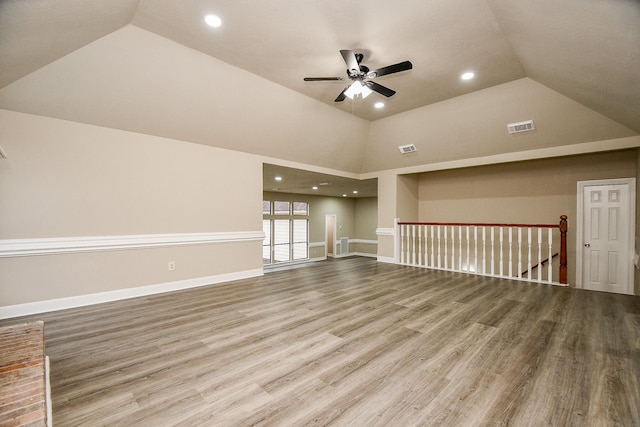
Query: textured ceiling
[[587, 50]]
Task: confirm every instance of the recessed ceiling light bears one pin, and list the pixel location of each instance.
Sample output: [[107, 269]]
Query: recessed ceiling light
[[213, 21], [355, 191], [315, 187], [278, 178], [344, 195], [379, 104], [467, 76]]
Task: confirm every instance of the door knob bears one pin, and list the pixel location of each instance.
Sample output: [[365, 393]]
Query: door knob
[[587, 245]]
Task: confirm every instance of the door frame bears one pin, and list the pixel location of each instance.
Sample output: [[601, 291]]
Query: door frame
[[631, 182], [326, 235]]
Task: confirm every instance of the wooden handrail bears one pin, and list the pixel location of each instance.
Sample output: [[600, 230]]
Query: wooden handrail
[[481, 224]]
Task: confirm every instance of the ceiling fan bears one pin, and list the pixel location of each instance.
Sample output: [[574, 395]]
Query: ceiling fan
[[360, 77]]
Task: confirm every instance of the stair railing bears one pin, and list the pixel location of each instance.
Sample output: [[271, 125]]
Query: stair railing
[[497, 250]]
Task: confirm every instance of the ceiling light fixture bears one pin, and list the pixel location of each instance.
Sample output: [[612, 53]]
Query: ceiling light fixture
[[213, 21], [357, 88], [379, 105], [355, 191], [344, 195], [315, 187], [467, 76], [278, 178]]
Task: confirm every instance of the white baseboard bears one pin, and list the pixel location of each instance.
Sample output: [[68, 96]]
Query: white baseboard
[[387, 259], [37, 307], [348, 254], [364, 254], [289, 265]]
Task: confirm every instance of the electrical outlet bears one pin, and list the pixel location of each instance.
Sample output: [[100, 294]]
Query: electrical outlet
[[172, 266]]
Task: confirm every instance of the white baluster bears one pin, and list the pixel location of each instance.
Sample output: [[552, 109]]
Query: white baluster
[[475, 250], [468, 253], [432, 251], [423, 245], [402, 244], [484, 251], [419, 245], [529, 253], [510, 252], [549, 268], [413, 245], [492, 254], [446, 244], [519, 252], [439, 252], [460, 248], [453, 247], [426, 245], [501, 252], [539, 254]]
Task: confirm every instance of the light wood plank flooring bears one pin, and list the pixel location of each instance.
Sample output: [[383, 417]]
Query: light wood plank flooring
[[350, 342]]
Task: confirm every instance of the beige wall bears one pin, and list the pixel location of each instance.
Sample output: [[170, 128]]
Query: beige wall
[[475, 125], [537, 191], [69, 180], [191, 97], [407, 202], [637, 271], [366, 214]]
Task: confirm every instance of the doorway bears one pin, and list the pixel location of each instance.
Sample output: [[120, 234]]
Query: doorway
[[330, 235], [604, 243]]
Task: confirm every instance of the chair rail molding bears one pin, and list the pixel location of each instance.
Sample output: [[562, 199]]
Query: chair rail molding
[[63, 245]]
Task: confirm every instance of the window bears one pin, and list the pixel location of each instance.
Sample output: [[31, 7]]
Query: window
[[282, 208], [300, 239], [300, 208], [286, 229], [281, 240], [266, 244]]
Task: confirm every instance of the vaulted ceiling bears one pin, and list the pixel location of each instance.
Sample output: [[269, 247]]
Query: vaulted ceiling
[[587, 51]]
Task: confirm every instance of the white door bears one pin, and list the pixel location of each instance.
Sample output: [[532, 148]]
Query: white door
[[606, 238]]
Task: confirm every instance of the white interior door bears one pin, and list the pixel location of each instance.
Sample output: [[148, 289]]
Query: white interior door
[[606, 238]]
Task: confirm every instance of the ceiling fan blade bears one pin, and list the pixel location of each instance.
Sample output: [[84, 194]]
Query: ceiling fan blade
[[382, 90], [342, 95], [352, 62], [322, 79], [395, 68]]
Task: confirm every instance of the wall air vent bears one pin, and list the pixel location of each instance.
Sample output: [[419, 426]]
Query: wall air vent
[[2, 154], [409, 148], [520, 126]]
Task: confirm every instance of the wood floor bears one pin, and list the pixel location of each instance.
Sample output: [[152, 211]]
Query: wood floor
[[350, 342]]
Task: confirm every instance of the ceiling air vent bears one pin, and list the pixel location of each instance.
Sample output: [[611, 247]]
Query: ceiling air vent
[[409, 148], [520, 126]]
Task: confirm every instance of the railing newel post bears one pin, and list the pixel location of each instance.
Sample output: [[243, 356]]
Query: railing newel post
[[563, 249]]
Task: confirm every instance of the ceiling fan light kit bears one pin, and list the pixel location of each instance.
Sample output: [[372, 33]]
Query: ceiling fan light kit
[[357, 88], [361, 77]]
